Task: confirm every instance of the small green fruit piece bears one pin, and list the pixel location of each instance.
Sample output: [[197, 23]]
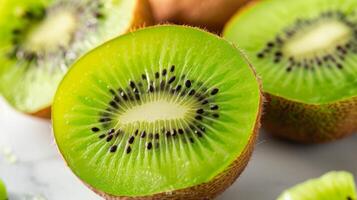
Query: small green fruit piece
[[331, 186]]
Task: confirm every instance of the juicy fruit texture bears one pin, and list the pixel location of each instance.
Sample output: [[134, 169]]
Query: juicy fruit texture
[[209, 14], [40, 39], [3, 193], [331, 186], [306, 60], [160, 111]]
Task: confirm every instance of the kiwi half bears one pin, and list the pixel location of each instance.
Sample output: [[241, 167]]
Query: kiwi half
[[3, 192], [40, 39], [306, 54], [166, 112], [331, 186], [208, 14]]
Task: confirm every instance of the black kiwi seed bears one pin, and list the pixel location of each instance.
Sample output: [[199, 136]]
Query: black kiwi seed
[[172, 69], [151, 88], [198, 133], [102, 136], [215, 115], [164, 71], [349, 198], [192, 92], [95, 129], [114, 104], [151, 136], [171, 80], [168, 133], [149, 146], [131, 140], [178, 88], [204, 102], [214, 107], [191, 140], [109, 138], [128, 149], [143, 76], [143, 134], [200, 111], [198, 117], [180, 131], [214, 91], [113, 148], [111, 131], [188, 83], [157, 75]]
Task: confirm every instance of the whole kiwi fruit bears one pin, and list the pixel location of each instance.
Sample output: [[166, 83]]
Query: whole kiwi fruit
[[208, 14]]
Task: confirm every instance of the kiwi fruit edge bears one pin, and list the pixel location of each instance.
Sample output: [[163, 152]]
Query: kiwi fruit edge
[[299, 121], [206, 190], [3, 192], [335, 185], [141, 17], [209, 14]]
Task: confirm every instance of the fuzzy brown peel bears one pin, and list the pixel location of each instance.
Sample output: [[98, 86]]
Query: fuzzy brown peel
[[310, 123]]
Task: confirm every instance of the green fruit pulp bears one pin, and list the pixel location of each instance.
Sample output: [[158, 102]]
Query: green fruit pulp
[[320, 35], [40, 39], [3, 193], [173, 162], [331, 186]]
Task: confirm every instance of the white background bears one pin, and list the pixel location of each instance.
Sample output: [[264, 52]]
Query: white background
[[32, 168]]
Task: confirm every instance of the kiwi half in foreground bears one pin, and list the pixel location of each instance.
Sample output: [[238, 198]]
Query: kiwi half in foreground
[[40, 39], [306, 54], [166, 112], [331, 186], [208, 14], [3, 192]]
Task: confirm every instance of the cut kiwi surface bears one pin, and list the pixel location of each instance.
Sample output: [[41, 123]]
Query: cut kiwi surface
[[166, 112], [306, 53], [331, 186], [3, 192], [40, 39]]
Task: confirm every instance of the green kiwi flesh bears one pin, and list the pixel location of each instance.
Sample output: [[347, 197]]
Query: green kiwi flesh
[[3, 192], [40, 39], [306, 53], [155, 111], [332, 186]]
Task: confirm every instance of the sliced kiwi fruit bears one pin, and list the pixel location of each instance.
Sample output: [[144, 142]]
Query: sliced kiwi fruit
[[40, 39], [209, 14], [306, 54], [166, 112], [336, 185], [3, 192]]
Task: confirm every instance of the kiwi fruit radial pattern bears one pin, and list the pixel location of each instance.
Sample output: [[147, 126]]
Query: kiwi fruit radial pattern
[[166, 112], [305, 51], [41, 38], [336, 185]]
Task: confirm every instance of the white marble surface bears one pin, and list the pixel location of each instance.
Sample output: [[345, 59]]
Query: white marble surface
[[32, 168]]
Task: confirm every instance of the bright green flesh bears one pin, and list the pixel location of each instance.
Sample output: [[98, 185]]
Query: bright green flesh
[[30, 86], [253, 28], [3, 193], [176, 163], [331, 186]]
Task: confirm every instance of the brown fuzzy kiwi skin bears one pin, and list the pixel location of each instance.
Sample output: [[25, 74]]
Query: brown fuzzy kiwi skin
[[142, 18], [305, 123], [208, 14]]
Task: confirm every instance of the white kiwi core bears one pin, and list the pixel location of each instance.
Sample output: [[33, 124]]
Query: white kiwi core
[[55, 31], [319, 39]]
